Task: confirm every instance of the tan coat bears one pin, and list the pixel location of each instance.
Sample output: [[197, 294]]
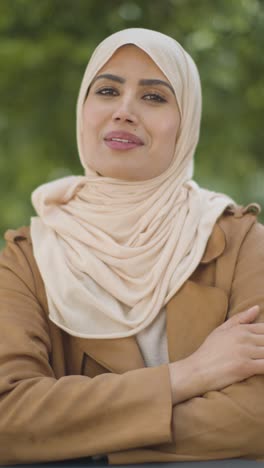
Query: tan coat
[[64, 397]]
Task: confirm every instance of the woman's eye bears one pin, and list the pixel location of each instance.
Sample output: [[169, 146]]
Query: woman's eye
[[107, 92], [154, 97]]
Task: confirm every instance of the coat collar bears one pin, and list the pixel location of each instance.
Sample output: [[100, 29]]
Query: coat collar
[[215, 246], [191, 315]]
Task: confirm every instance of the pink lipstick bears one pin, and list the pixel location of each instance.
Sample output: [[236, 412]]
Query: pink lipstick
[[122, 140]]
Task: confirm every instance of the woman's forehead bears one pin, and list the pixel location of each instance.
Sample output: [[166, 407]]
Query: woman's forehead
[[132, 60]]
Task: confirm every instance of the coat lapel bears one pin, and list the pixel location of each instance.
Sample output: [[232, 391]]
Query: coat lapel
[[191, 315], [196, 309], [117, 355]]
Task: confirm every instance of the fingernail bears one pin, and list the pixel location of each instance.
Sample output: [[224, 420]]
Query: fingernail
[[255, 307]]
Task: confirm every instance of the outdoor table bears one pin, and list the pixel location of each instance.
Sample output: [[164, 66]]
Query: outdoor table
[[88, 463]]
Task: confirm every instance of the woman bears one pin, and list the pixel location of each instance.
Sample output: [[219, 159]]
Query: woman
[[131, 310]]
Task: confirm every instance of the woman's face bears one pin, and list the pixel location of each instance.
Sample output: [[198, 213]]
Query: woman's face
[[130, 118]]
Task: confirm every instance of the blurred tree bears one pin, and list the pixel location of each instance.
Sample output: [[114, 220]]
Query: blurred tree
[[44, 48]]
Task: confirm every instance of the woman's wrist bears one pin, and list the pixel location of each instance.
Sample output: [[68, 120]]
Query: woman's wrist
[[185, 381]]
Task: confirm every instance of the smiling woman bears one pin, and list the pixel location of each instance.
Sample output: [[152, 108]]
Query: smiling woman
[[131, 309], [130, 105]]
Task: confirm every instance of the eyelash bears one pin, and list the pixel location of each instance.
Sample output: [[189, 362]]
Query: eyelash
[[108, 91]]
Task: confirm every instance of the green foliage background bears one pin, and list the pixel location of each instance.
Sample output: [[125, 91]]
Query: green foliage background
[[44, 48]]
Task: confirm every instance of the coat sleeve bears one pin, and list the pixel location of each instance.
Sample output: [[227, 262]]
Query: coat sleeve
[[44, 418], [227, 423]]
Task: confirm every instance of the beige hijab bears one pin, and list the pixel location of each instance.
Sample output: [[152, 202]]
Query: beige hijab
[[111, 252]]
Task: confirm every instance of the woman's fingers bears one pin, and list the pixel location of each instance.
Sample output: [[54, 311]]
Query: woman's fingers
[[247, 316], [256, 340], [256, 352], [258, 367], [232, 352], [256, 328]]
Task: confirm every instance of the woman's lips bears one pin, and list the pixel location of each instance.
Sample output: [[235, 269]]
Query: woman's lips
[[122, 140]]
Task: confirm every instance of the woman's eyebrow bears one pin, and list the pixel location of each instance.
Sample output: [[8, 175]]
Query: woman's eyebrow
[[153, 82], [108, 76], [143, 82]]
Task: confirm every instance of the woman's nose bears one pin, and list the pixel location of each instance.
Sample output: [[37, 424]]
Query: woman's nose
[[125, 113]]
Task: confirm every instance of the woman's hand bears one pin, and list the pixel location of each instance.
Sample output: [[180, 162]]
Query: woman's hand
[[234, 351]]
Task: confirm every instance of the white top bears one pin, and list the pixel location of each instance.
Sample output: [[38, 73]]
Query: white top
[[152, 342]]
